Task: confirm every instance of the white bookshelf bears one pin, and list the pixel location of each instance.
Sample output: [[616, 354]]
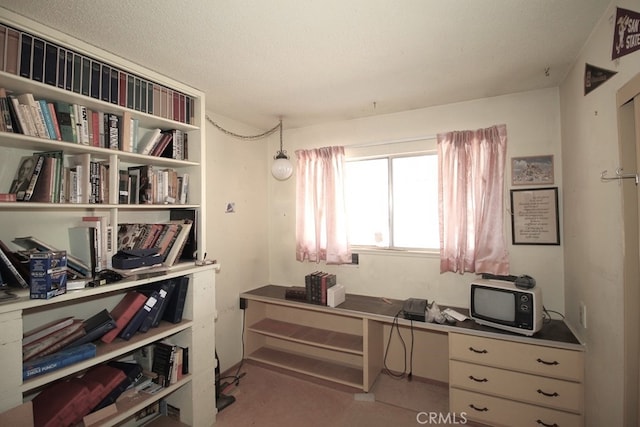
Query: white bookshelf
[[49, 222]]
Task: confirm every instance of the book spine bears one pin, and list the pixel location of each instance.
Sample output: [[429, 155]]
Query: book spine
[[14, 271], [46, 115], [57, 360], [34, 179]]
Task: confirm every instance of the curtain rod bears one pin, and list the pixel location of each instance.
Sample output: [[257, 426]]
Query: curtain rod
[[392, 141]]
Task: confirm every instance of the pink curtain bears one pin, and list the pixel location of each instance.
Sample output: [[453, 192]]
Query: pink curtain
[[321, 222], [471, 188]]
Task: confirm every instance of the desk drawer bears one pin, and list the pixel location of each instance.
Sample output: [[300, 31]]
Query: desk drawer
[[559, 394], [533, 359], [504, 412]]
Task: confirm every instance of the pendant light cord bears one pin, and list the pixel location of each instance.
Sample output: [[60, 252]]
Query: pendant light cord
[[248, 137]]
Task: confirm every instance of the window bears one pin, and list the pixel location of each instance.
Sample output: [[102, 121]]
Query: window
[[392, 201]]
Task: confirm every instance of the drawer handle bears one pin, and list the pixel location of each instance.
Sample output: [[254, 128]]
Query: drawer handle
[[479, 380], [554, 394], [547, 363], [480, 351], [546, 425], [472, 406]]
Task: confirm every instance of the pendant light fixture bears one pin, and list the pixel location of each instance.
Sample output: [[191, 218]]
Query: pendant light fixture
[[282, 167]]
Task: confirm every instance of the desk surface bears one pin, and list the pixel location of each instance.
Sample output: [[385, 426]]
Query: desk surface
[[553, 332]]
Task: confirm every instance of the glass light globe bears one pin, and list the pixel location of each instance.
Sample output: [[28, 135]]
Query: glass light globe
[[282, 167]]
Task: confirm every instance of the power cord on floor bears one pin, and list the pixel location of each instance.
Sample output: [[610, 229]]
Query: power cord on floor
[[404, 373], [237, 376]]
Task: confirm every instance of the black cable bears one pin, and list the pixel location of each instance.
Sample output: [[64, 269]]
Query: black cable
[[237, 376], [411, 354], [548, 315], [404, 346]]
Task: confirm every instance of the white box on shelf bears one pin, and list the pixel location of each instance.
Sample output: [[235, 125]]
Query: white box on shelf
[[335, 295]]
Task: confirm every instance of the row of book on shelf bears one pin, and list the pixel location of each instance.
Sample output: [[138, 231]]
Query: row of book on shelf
[[44, 177], [78, 124], [68, 340], [92, 249], [35, 58]]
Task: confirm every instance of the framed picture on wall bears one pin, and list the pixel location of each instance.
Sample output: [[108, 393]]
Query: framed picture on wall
[[534, 216], [533, 170]]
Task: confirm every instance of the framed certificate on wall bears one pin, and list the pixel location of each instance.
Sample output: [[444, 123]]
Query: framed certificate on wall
[[534, 216]]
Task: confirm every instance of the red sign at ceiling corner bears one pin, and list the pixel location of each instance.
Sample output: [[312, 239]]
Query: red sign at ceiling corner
[[626, 35]]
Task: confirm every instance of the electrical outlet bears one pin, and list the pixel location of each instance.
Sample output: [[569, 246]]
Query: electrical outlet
[[583, 315]]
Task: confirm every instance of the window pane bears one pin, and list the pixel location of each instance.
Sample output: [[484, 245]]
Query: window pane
[[415, 202], [367, 191]]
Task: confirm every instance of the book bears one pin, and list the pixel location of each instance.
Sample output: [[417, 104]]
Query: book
[[175, 305], [107, 376], [65, 121], [44, 190], [95, 327], [136, 321], [5, 112], [46, 329], [57, 175], [9, 270], [48, 120], [63, 403], [190, 251], [57, 360], [163, 360], [77, 334], [82, 164], [164, 289], [179, 243], [149, 141], [35, 176], [33, 107], [33, 349], [82, 244], [123, 312], [22, 178], [104, 239], [131, 371]]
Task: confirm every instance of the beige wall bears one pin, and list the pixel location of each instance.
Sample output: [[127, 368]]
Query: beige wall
[[593, 218], [533, 127], [236, 172]]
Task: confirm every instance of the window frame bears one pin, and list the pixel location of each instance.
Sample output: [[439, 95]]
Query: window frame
[[391, 249]]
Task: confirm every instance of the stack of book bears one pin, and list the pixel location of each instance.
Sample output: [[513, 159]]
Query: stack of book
[[29, 56], [169, 238], [316, 285], [67, 340]]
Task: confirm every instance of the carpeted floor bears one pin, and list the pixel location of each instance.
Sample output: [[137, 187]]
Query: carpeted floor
[[266, 397]]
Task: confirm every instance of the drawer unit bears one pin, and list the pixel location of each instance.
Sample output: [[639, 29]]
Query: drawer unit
[[510, 383], [496, 411], [530, 358], [559, 394]]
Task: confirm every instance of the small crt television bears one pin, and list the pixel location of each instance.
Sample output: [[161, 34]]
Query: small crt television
[[502, 305]]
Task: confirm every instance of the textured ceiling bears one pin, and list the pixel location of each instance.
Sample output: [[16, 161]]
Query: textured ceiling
[[315, 61]]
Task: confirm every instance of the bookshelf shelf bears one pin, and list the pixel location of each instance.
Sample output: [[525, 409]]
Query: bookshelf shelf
[[332, 340], [304, 364], [50, 222], [107, 352]]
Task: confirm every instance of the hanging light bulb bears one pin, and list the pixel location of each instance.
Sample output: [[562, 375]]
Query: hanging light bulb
[[282, 167]]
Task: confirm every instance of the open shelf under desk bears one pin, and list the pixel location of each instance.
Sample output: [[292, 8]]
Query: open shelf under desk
[[333, 340], [319, 368]]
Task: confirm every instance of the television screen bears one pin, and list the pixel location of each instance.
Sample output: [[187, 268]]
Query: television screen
[[494, 303]]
